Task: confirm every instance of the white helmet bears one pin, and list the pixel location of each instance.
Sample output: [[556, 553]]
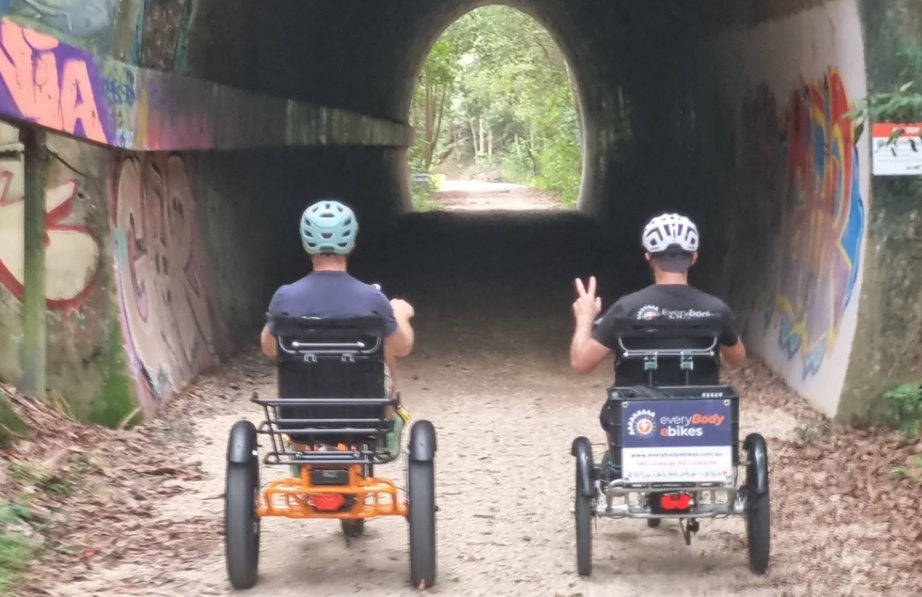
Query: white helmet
[[670, 230]]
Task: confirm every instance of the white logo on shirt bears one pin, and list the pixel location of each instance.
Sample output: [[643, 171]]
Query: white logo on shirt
[[648, 312]]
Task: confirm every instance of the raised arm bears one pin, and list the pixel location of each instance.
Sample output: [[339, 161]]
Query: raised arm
[[586, 352]]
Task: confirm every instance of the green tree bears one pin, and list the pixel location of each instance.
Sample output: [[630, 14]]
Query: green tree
[[497, 93]]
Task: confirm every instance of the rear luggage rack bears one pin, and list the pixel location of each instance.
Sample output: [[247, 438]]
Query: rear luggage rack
[[277, 426]]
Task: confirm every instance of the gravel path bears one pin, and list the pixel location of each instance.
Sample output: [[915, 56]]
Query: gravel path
[[504, 489], [491, 373]]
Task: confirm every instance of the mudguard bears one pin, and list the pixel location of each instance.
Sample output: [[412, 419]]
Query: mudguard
[[582, 450], [241, 447], [757, 469], [422, 445]]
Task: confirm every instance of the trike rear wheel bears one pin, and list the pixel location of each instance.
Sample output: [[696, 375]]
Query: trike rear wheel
[[353, 528], [758, 531], [583, 532], [421, 516], [241, 524], [758, 512]]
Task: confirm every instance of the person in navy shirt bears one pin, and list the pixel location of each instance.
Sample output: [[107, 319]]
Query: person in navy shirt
[[328, 233]]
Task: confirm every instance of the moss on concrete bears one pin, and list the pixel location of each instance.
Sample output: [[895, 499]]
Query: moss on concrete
[[116, 399]]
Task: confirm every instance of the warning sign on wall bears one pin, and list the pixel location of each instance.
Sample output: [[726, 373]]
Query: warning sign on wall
[[897, 149]]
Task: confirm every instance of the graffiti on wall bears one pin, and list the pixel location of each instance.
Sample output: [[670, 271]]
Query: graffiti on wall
[[70, 90], [162, 276], [71, 251], [822, 221], [50, 83]]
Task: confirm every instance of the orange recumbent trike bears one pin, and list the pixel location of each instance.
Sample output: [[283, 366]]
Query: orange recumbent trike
[[328, 424]]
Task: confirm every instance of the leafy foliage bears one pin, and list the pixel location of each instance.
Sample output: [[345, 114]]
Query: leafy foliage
[[495, 95], [422, 199], [902, 105], [12, 426], [906, 401]]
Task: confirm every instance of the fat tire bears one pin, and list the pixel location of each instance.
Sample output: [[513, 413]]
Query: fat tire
[[353, 528], [583, 516], [421, 518], [241, 524], [758, 531]]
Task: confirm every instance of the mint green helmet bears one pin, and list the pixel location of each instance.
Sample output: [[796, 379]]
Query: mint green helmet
[[329, 227]]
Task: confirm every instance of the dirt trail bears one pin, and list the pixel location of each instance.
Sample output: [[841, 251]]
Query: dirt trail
[[473, 195], [490, 371], [504, 479]]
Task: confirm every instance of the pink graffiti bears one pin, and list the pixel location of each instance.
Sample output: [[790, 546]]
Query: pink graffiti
[[51, 91], [161, 275]]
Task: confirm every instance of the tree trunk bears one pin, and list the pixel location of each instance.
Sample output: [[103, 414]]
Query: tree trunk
[[430, 123], [438, 125], [474, 137], [481, 136]]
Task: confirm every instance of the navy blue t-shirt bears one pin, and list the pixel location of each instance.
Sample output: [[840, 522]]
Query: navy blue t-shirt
[[332, 294]]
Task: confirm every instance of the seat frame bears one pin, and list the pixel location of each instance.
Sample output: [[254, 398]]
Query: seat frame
[[348, 440]]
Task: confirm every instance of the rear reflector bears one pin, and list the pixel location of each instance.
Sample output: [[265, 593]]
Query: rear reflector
[[675, 501], [327, 502]]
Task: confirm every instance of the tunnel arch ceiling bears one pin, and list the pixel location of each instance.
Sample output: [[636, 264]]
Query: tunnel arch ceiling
[[366, 58]]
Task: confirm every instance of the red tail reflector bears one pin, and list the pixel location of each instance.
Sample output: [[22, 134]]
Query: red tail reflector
[[675, 501], [327, 502]]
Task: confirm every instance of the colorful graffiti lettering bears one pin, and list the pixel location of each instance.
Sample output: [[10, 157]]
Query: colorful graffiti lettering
[[162, 277], [50, 83], [823, 220], [71, 252]]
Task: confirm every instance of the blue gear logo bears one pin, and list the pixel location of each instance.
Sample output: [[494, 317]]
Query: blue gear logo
[[642, 424]]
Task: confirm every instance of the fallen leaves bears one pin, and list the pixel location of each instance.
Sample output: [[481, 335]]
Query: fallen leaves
[[834, 481], [91, 495]]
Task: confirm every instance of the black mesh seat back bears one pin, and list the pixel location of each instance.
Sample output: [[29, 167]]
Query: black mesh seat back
[[664, 334], [351, 365]]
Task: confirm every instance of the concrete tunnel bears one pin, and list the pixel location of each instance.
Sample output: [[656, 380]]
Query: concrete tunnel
[[186, 136]]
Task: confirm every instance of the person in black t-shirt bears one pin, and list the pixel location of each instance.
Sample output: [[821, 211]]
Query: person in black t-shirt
[[671, 243]]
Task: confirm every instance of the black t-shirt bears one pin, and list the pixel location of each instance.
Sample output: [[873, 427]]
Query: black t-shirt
[[673, 304]]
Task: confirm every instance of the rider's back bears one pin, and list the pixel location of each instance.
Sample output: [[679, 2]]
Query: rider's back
[[673, 303], [329, 294]]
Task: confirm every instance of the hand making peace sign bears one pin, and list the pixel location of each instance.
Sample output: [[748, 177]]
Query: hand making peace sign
[[587, 305]]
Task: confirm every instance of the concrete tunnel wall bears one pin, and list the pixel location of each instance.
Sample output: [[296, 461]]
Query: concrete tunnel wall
[[716, 109]]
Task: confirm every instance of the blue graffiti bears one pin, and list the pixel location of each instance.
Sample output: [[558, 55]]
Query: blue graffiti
[[851, 236]]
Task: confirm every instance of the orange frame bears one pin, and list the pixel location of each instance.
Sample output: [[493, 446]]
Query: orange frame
[[291, 497]]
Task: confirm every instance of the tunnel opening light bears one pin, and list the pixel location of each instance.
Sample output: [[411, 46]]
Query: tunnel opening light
[[496, 118]]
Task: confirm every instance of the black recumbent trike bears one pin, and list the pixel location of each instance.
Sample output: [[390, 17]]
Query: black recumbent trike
[[328, 425], [673, 450]]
